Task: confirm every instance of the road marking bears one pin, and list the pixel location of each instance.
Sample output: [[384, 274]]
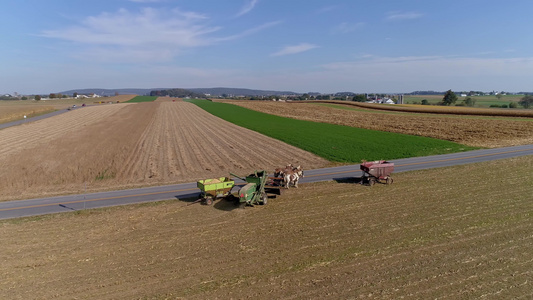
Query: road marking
[[194, 189], [93, 200], [429, 162]]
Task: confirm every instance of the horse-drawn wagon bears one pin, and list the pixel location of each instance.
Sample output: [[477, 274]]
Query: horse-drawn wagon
[[211, 189], [254, 191], [377, 171]]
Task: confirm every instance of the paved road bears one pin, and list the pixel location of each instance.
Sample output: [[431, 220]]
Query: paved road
[[24, 121], [32, 207]]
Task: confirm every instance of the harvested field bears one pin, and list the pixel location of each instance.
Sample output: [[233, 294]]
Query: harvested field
[[430, 235], [130, 145], [474, 131], [10, 113], [12, 110], [445, 110]]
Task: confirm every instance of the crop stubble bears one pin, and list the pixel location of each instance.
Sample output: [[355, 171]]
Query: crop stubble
[[10, 113], [430, 235], [131, 145], [477, 132]]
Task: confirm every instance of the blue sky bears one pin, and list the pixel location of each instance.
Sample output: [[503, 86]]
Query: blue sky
[[296, 45]]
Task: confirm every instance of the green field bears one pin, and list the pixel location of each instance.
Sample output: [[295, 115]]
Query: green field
[[143, 99], [332, 142], [481, 101]]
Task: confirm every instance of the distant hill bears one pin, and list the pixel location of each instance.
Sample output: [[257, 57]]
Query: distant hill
[[220, 91], [181, 93], [425, 93], [194, 92], [110, 92]]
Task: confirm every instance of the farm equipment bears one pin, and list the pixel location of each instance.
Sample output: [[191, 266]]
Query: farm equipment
[[211, 189], [377, 171], [254, 192]]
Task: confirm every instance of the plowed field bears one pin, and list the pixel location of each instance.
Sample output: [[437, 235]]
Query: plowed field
[[130, 145], [12, 110], [430, 235], [472, 131]]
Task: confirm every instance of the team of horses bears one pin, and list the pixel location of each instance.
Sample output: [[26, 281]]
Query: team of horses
[[290, 175]]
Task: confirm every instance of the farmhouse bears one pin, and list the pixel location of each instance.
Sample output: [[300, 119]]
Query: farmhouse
[[381, 100], [87, 96]]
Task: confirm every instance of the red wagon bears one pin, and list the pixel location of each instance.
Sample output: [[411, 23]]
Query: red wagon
[[377, 171]]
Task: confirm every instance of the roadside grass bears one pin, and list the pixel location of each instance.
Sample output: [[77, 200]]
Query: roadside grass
[[15, 113], [333, 142], [142, 99]]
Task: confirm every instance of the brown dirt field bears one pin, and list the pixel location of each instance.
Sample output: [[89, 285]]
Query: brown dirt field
[[130, 145], [65, 103], [474, 131], [12, 110], [430, 235], [445, 110], [17, 112]]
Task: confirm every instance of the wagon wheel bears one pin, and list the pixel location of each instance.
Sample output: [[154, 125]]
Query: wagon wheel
[[371, 181], [237, 201], [208, 201], [389, 180], [231, 198], [264, 199]]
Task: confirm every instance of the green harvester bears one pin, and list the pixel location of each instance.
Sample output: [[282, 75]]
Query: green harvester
[[254, 192]]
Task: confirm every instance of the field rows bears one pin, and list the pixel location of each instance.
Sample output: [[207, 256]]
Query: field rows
[[447, 110], [130, 145], [336, 143], [193, 143], [424, 237], [475, 132], [451, 233], [42, 132]]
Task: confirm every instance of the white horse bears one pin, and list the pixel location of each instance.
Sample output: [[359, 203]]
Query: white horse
[[292, 176]]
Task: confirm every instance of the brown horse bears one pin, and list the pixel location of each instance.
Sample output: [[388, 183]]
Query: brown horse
[[292, 176]]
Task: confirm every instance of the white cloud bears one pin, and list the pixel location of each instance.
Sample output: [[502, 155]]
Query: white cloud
[[248, 32], [125, 28], [400, 16], [247, 7], [369, 73], [147, 35], [127, 35], [295, 49]]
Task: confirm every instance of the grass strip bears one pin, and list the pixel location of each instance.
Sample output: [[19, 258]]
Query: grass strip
[[333, 142], [142, 99]]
